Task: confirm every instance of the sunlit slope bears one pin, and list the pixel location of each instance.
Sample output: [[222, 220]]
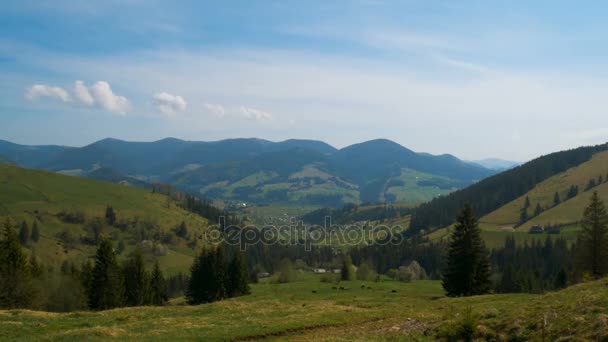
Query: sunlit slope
[[569, 211], [504, 221], [31, 195]]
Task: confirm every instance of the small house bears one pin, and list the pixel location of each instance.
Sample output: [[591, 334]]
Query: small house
[[318, 270]]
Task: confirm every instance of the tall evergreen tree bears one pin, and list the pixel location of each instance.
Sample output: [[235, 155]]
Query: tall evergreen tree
[[237, 277], [347, 268], [593, 238], [556, 199], [110, 215], [106, 287], [16, 289], [158, 286], [35, 231], [538, 210], [468, 268], [24, 233], [135, 280], [207, 277]]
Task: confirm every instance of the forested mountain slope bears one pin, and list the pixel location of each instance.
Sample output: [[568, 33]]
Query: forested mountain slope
[[494, 192]]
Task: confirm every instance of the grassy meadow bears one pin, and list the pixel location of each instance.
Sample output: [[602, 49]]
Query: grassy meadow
[[39, 195], [309, 309]]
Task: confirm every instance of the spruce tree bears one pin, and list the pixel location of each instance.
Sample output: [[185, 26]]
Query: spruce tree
[[24, 233], [556, 199], [16, 289], [106, 287], [592, 242], [135, 280], [110, 215], [346, 270], [468, 268], [158, 286], [35, 231], [236, 280], [207, 277], [538, 210]]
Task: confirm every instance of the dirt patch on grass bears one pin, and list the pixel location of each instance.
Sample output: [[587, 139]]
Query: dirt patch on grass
[[407, 327]]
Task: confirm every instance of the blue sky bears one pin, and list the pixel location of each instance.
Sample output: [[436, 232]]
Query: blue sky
[[476, 79]]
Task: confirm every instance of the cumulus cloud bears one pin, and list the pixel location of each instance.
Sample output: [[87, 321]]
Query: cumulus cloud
[[98, 95], [216, 109], [169, 104], [82, 94], [106, 99], [255, 114], [40, 90]]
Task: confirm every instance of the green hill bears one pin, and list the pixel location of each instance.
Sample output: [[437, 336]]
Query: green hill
[[67, 208], [506, 219], [310, 310]]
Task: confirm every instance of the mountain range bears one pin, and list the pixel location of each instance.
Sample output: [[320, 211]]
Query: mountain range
[[305, 172]]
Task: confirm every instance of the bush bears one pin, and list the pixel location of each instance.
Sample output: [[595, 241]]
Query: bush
[[75, 216], [286, 272]]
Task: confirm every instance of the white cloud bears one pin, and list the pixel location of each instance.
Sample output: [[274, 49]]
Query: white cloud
[[98, 95], [169, 104], [215, 109], [82, 94], [40, 90], [106, 99], [255, 114]]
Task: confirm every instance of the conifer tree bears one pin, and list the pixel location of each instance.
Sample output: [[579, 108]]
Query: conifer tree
[[35, 231], [158, 286], [592, 242], [135, 280], [16, 289], [110, 215], [556, 199], [468, 269], [236, 280], [106, 287], [538, 210], [346, 270], [207, 277], [24, 233], [527, 203]]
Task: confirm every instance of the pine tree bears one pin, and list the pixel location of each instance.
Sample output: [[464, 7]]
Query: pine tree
[[135, 280], [538, 210], [236, 280], [593, 238], [346, 270], [509, 282], [561, 280], [16, 289], [158, 286], [106, 288], [527, 203], [24, 233], [523, 216], [110, 215], [468, 268], [35, 231], [207, 277], [182, 230], [556, 199], [34, 266]]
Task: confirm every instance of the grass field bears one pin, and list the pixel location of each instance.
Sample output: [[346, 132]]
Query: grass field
[[312, 310], [38, 195]]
